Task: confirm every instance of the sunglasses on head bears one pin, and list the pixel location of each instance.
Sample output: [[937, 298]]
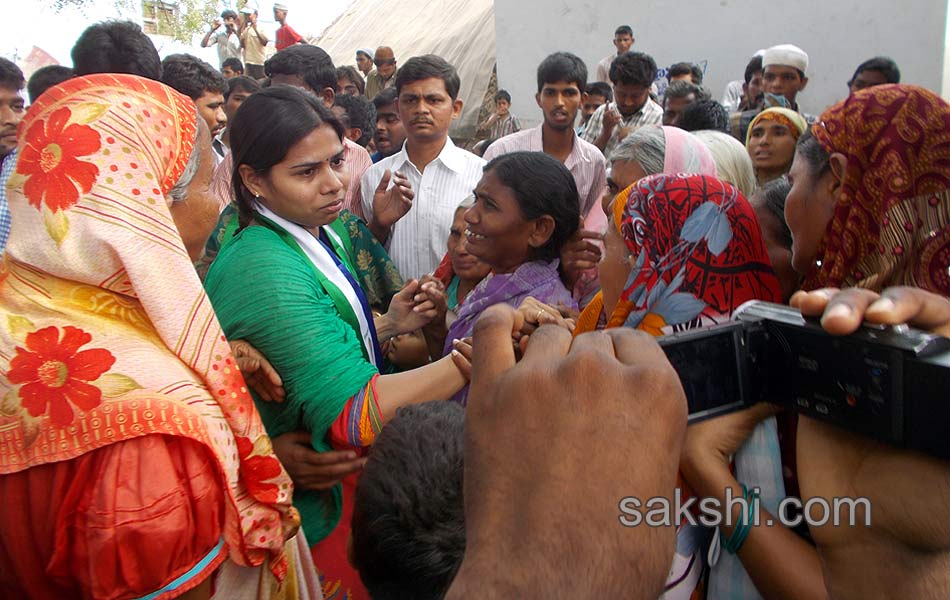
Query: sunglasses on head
[[384, 61]]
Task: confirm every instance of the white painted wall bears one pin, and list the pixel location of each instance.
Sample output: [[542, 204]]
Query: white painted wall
[[837, 34]]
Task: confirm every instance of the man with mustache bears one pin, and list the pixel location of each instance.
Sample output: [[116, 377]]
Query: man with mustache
[[200, 81], [562, 78], [410, 197], [11, 112]]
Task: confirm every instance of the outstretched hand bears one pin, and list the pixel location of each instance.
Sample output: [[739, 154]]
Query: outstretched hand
[[391, 203]]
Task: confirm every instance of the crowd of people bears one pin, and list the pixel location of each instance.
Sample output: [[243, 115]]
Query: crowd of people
[[268, 332]]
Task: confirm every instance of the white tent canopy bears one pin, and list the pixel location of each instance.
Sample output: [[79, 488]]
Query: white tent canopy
[[460, 31]]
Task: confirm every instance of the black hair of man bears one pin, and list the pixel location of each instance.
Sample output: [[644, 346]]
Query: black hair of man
[[704, 114], [360, 113], [46, 77], [229, 14], [754, 66], [349, 72], [600, 88], [192, 76], [562, 66], [773, 194], [503, 95], [11, 77], [408, 523], [681, 89], [234, 63], [116, 47], [624, 30], [633, 68], [882, 64], [429, 66], [385, 98], [242, 83], [694, 71], [310, 63]]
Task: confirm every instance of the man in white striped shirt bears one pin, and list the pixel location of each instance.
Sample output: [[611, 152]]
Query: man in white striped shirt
[[411, 196], [632, 75], [561, 80]]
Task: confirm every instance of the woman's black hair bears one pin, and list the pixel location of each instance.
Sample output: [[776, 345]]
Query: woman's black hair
[[542, 186], [266, 126], [813, 153], [773, 195]]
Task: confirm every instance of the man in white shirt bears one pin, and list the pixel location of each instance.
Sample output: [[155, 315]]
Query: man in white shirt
[[410, 197], [228, 41], [623, 40]]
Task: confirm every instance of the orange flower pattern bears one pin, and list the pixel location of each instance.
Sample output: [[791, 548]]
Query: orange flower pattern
[[55, 374], [49, 160]]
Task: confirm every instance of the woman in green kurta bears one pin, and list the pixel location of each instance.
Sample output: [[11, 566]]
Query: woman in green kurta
[[283, 283]]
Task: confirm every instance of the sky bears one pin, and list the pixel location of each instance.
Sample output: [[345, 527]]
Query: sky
[[37, 23]]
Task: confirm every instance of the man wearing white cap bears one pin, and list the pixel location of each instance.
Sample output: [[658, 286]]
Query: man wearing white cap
[[252, 41], [783, 72], [286, 36], [364, 61]]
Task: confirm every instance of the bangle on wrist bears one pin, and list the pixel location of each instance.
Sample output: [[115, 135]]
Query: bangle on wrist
[[741, 531]]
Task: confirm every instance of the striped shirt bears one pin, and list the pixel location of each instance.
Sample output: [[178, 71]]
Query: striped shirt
[[649, 114], [418, 239], [357, 160], [9, 163], [585, 162]]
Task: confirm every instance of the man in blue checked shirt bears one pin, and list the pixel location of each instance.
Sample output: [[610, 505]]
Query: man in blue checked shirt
[[11, 112]]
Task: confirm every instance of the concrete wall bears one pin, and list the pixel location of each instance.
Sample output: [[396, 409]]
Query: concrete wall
[[837, 34]]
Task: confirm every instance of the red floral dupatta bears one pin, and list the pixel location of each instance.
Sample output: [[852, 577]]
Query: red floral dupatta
[[891, 224], [105, 331]]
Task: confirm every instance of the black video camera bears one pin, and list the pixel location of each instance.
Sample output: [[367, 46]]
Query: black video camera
[[889, 383]]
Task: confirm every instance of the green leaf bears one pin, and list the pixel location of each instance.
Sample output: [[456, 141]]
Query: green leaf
[[116, 384]]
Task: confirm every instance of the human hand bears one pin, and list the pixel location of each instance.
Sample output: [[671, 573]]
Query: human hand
[[257, 371], [612, 393], [843, 310], [215, 24], [580, 254], [536, 313], [462, 356], [312, 470], [406, 313], [390, 205], [612, 118]]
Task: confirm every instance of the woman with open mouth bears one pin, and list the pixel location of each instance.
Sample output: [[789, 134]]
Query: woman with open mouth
[[771, 142], [526, 208]]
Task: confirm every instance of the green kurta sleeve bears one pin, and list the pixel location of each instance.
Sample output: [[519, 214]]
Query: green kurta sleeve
[[266, 293]]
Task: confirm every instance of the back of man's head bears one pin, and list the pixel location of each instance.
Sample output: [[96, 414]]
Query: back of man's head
[[679, 69], [46, 77], [680, 88], [11, 77], [385, 98], [311, 63], [242, 83], [429, 66], [192, 76], [116, 47], [361, 114], [885, 66], [600, 88], [408, 519], [562, 66], [633, 68], [704, 114]]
